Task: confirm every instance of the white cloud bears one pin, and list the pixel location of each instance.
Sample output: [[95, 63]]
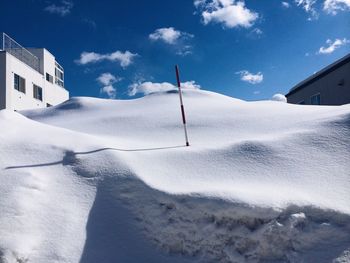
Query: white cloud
[[329, 6], [110, 91], [168, 35], [151, 87], [308, 6], [256, 92], [177, 39], [285, 4], [256, 33], [184, 50], [333, 45], [279, 97], [250, 77], [190, 85], [333, 6], [107, 80], [124, 58], [89, 57], [198, 3], [63, 9], [230, 13]]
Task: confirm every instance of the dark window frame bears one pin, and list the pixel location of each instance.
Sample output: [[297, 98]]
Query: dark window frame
[[37, 92], [49, 78], [19, 83], [59, 74]]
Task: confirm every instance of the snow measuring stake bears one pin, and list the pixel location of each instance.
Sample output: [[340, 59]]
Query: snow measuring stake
[[181, 104]]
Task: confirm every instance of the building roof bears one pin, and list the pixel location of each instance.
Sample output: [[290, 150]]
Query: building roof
[[320, 74]]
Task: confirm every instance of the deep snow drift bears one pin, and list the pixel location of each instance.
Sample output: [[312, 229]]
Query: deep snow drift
[[95, 180]]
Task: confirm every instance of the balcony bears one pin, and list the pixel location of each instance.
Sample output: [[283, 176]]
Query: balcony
[[16, 50]]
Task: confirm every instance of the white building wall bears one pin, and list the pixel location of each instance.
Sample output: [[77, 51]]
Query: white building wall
[[49, 63], [16, 100], [54, 93]]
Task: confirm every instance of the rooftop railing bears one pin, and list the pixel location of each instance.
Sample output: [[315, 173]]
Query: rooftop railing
[[15, 49]]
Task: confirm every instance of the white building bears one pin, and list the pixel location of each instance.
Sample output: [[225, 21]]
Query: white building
[[29, 77]]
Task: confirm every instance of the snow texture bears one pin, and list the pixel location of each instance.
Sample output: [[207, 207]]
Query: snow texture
[[95, 180]]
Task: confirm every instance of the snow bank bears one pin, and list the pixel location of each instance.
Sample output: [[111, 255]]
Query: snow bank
[[91, 178], [254, 152]]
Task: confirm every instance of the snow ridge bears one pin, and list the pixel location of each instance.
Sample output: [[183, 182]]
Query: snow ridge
[[262, 181]]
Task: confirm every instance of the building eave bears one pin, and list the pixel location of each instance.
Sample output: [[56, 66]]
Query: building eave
[[320, 74]]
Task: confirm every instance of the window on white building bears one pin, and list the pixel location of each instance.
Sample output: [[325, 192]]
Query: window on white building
[[49, 78], [58, 73], [59, 77], [316, 99], [37, 92], [19, 83]]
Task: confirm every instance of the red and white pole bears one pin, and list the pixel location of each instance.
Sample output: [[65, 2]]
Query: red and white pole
[[181, 104]]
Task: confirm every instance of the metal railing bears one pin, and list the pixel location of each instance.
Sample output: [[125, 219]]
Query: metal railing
[[16, 50], [59, 66]]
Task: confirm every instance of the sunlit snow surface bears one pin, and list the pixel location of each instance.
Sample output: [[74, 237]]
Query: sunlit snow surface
[[95, 180]]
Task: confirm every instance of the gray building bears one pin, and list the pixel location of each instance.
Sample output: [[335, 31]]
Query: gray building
[[329, 86]]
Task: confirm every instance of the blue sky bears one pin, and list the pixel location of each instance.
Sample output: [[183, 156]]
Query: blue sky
[[122, 49]]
